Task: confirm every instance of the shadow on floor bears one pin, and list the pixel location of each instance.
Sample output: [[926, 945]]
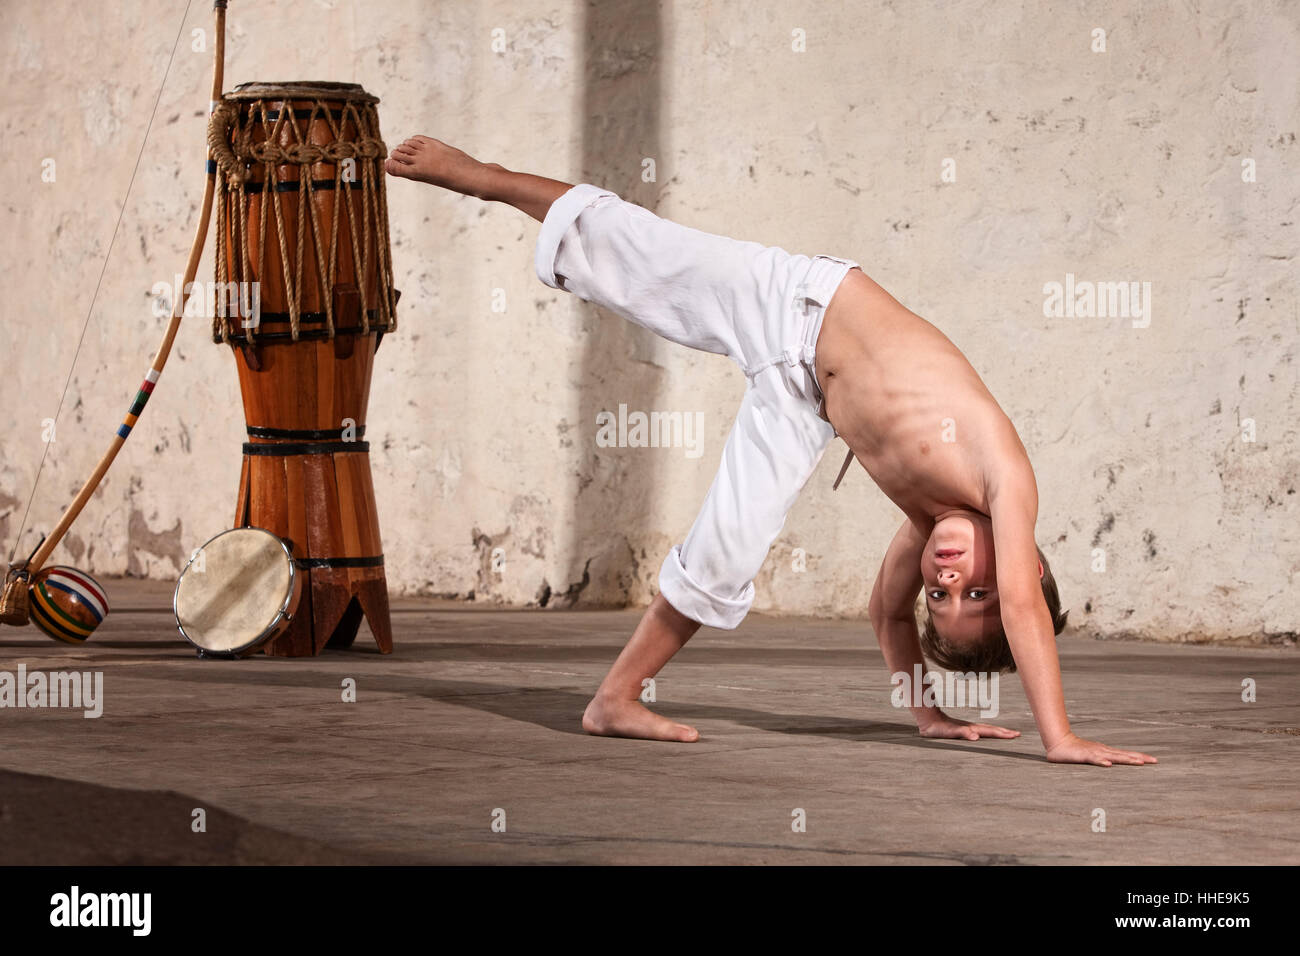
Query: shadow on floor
[[561, 710]]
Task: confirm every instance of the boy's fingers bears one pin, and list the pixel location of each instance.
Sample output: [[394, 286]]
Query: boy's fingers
[[1133, 756], [1125, 756], [401, 158], [989, 730]]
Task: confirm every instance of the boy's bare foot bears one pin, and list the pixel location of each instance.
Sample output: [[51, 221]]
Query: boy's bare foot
[[630, 718], [432, 161]]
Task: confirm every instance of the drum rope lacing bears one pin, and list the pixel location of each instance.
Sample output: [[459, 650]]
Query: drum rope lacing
[[235, 153]]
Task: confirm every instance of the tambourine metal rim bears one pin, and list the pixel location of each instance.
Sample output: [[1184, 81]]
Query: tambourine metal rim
[[283, 616]]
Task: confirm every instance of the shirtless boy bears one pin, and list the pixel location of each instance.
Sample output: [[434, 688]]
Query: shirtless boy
[[826, 351]]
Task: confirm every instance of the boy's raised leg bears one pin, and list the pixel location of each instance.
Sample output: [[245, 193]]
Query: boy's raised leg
[[616, 711]]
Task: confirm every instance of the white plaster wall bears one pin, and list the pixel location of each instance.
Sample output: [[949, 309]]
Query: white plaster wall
[[1115, 166]]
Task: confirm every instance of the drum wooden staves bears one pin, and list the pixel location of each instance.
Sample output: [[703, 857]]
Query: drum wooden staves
[[302, 213]]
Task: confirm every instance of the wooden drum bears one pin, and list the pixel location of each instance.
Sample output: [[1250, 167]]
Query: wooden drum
[[305, 295]]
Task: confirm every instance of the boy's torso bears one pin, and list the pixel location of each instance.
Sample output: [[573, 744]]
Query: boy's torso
[[909, 404]]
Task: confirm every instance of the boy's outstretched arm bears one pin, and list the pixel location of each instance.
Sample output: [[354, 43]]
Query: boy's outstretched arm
[[432, 161], [893, 617], [1013, 506]]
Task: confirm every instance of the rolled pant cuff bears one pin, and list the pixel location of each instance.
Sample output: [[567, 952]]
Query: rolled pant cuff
[[695, 602], [559, 217]]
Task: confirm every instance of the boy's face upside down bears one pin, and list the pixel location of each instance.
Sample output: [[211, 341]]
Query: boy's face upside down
[[961, 590], [959, 569], [964, 628]]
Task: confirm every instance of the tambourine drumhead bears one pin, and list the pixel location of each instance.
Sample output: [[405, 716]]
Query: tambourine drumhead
[[238, 591]]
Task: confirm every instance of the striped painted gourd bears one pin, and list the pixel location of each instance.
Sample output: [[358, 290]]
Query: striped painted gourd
[[67, 604]]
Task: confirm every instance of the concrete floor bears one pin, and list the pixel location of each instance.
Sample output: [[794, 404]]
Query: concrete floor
[[479, 709]]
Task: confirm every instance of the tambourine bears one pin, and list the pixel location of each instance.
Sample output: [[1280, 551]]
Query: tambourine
[[238, 591]]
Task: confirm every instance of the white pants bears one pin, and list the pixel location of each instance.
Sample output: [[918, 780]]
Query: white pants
[[759, 305]]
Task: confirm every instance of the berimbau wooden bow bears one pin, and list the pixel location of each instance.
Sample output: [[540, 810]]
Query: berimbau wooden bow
[[14, 600]]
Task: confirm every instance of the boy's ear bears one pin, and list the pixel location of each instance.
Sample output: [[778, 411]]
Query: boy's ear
[[1040, 570]]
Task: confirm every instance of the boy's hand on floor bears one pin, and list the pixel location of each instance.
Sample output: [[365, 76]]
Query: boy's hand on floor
[[950, 728], [1074, 749]]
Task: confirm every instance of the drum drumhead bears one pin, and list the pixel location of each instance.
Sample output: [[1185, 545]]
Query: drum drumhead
[[237, 591]]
